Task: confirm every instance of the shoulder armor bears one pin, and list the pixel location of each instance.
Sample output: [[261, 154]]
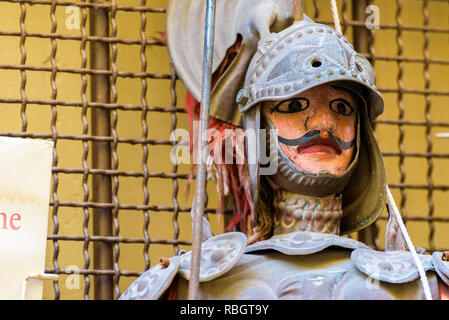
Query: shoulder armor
[[303, 243], [389, 266], [152, 283], [441, 267], [218, 255]]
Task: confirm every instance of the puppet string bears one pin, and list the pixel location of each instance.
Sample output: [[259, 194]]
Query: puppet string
[[418, 262], [335, 15]]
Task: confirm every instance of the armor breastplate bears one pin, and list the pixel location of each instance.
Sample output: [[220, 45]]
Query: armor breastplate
[[329, 274], [299, 265]]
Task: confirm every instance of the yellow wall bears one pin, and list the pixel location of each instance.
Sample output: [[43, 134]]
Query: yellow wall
[[70, 152]]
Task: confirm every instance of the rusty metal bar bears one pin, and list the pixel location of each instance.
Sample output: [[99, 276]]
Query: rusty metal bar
[[361, 44], [101, 153], [200, 191]]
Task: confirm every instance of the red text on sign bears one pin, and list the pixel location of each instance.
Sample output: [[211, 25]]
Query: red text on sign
[[10, 222]]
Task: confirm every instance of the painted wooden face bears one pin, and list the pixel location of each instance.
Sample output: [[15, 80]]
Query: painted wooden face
[[316, 129]]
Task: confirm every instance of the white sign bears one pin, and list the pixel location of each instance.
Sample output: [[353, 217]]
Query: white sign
[[25, 178]]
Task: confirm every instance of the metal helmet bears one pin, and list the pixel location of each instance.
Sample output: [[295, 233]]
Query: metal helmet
[[298, 58], [301, 57]]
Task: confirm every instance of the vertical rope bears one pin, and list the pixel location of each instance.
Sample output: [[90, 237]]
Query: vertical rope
[[335, 15]]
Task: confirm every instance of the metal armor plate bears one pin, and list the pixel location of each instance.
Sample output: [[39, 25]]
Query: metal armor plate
[[218, 255], [303, 242], [441, 267], [390, 266], [152, 283]]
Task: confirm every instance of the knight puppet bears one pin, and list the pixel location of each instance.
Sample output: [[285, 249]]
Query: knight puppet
[[312, 169]]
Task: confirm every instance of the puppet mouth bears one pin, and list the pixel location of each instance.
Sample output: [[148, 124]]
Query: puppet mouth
[[320, 145], [313, 142]]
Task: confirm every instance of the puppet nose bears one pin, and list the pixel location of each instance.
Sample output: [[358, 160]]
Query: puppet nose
[[323, 120]]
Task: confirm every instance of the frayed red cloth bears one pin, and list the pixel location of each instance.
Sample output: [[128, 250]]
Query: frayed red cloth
[[232, 178]]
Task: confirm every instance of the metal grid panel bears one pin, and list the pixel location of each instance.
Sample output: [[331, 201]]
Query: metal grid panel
[[98, 160]]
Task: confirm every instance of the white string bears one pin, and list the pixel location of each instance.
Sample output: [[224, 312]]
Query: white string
[[421, 271], [335, 15], [418, 262]]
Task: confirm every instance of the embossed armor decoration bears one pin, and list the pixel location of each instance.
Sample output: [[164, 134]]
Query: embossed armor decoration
[[303, 82]]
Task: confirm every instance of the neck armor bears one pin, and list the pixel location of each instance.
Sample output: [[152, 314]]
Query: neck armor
[[295, 212]]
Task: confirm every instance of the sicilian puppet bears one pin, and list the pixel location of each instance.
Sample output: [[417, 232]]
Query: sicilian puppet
[[312, 169]]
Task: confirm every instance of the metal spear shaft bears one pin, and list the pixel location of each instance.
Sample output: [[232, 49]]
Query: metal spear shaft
[[200, 190]]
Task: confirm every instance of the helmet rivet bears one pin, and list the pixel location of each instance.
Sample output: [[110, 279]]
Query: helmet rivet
[[330, 72], [276, 90], [269, 90], [354, 75], [289, 39], [299, 34], [281, 46], [253, 93], [318, 75], [306, 80], [242, 97], [309, 31], [287, 88], [320, 29], [342, 71]]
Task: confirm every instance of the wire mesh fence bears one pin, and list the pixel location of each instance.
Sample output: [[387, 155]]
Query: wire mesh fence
[[95, 78]]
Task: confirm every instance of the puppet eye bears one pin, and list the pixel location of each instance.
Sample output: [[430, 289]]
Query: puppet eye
[[291, 106], [341, 106]]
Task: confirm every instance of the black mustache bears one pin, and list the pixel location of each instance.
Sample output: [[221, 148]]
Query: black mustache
[[311, 136]]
